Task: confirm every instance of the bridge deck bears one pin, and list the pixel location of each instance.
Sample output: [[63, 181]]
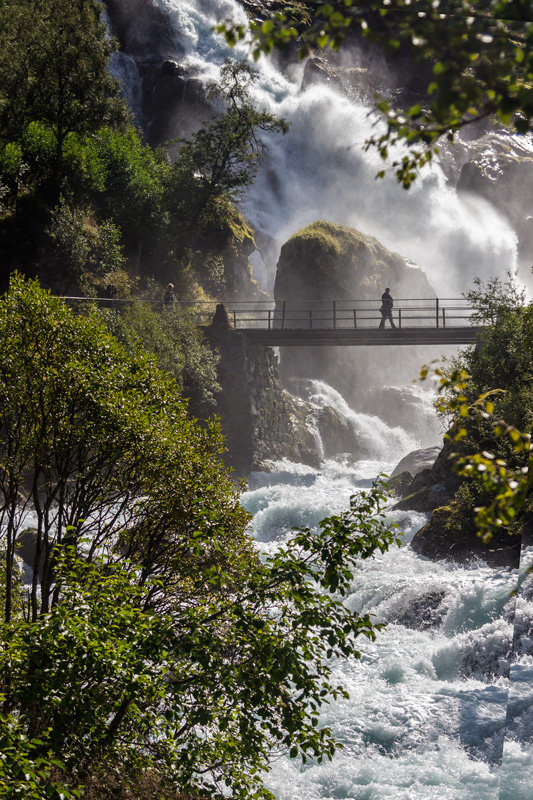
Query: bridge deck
[[362, 337]]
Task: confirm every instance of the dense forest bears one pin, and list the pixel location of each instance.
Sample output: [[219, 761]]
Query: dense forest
[[153, 652]]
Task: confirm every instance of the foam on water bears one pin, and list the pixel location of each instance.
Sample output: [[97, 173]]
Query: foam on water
[[427, 713], [373, 436]]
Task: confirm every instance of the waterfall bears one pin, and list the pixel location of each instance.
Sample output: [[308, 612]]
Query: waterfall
[[320, 171]]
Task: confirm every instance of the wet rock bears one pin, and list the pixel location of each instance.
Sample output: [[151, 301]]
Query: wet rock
[[26, 549], [318, 70], [425, 611], [399, 483], [173, 99], [441, 539], [336, 432], [261, 421], [428, 498], [417, 461]]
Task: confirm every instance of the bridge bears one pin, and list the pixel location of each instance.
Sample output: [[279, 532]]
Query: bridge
[[438, 321], [434, 321]]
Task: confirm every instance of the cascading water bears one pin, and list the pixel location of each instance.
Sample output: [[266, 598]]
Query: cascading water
[[319, 170], [436, 700]]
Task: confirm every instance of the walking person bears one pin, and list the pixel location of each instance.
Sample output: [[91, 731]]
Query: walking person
[[169, 297], [386, 308]]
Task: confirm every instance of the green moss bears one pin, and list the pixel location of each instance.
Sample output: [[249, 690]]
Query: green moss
[[339, 240]]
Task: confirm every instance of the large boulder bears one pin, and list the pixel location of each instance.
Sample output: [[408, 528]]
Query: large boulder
[[326, 262], [417, 461], [443, 538]]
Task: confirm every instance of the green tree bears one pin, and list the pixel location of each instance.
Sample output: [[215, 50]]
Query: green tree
[[177, 344], [487, 394], [54, 69], [159, 642], [478, 52], [222, 158]]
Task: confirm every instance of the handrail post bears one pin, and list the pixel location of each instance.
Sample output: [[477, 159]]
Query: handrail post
[[334, 314], [437, 311], [443, 317], [310, 319], [269, 318], [355, 318], [234, 318], [284, 307], [399, 317]]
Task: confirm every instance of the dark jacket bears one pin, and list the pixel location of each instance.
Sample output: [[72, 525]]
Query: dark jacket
[[386, 302]]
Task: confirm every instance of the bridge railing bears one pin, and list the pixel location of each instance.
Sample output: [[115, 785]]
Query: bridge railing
[[201, 312], [328, 314], [336, 315]]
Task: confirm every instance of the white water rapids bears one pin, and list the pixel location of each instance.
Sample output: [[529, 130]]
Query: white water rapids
[[431, 704]]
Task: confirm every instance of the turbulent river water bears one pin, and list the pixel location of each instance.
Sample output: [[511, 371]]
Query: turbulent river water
[[439, 707]]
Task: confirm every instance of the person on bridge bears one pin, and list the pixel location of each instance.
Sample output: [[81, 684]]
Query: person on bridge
[[386, 308], [169, 297]]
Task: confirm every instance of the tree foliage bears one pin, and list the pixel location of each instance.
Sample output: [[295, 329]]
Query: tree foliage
[[222, 158], [479, 53], [54, 68], [152, 638], [487, 392]]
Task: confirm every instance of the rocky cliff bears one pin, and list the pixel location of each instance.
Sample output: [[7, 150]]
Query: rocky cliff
[[428, 483], [260, 419]]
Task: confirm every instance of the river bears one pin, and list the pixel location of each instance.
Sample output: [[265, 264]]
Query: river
[[432, 708], [439, 706]]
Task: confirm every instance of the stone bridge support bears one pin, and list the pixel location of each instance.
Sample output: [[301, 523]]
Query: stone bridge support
[[260, 419]]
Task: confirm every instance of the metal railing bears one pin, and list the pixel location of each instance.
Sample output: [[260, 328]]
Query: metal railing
[[328, 314], [350, 314]]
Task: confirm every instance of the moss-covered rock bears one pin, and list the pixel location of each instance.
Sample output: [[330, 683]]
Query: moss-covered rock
[[444, 536], [399, 482], [325, 261]]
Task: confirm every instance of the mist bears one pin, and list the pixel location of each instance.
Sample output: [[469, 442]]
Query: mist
[[320, 170]]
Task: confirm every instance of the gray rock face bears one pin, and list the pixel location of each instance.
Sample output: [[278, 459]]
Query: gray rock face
[[336, 433], [261, 421], [173, 101], [501, 172], [417, 461]]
